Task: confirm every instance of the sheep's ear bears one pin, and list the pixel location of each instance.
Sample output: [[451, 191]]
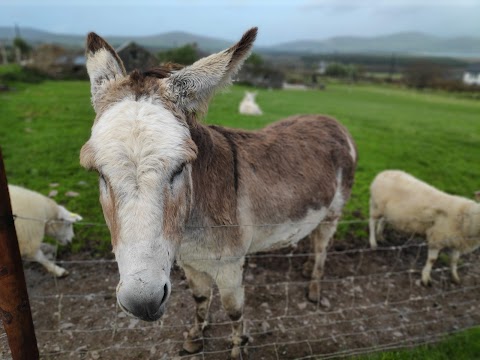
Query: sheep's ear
[[103, 64], [74, 217], [193, 86], [477, 196], [66, 215]]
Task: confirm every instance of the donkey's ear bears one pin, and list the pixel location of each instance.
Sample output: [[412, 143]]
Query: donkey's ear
[[194, 85], [103, 64]]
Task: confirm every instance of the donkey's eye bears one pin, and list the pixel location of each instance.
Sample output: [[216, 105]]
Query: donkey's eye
[[103, 182], [177, 172]]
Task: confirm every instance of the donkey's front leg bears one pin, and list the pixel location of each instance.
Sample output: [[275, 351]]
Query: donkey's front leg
[[232, 293], [200, 284]]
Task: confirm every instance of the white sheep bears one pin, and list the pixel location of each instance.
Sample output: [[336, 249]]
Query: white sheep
[[248, 106], [36, 216], [410, 205]]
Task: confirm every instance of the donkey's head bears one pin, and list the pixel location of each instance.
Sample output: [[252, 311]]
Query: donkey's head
[[142, 149]]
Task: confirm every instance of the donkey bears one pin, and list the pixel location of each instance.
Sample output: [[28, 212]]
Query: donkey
[[172, 188]]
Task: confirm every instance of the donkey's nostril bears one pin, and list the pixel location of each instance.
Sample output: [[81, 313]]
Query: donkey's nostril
[[166, 291]]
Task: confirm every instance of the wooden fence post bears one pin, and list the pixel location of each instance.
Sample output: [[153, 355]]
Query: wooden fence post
[[14, 305]]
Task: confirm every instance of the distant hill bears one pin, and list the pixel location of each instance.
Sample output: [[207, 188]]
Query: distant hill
[[408, 43], [156, 42], [35, 36], [179, 38], [413, 43]]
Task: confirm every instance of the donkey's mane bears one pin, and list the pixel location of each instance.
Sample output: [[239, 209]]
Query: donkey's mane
[[144, 83], [158, 72], [163, 71]]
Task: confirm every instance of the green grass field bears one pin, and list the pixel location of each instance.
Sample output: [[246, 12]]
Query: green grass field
[[433, 136], [462, 346]]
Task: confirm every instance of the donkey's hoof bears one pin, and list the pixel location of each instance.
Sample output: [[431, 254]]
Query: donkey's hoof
[[427, 282], [313, 293], [236, 353], [456, 280], [239, 353], [239, 350], [307, 269], [192, 346]]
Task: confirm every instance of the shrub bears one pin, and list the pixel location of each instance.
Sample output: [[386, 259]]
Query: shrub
[[344, 71], [14, 73], [184, 55], [424, 74]]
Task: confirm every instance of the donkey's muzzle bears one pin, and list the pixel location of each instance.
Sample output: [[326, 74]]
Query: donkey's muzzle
[[141, 300]]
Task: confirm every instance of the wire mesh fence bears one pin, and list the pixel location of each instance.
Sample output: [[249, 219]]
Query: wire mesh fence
[[372, 300]]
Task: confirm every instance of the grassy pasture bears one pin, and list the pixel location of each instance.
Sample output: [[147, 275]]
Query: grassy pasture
[[461, 346], [433, 136]]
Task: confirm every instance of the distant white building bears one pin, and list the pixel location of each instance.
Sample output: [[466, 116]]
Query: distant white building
[[322, 67], [471, 76]]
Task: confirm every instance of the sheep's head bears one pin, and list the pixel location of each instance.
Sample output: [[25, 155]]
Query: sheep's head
[[250, 96], [61, 227]]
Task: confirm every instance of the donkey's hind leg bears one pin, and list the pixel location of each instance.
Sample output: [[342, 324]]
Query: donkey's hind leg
[[200, 284], [320, 239], [232, 294]]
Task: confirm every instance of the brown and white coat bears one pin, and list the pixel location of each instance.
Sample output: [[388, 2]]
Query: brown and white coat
[[174, 188]]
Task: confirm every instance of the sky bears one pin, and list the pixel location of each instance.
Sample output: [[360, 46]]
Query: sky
[[278, 20]]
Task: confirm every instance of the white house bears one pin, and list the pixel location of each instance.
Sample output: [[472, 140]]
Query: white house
[[471, 76], [322, 67]]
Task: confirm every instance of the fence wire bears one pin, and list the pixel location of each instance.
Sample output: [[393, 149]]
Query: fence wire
[[372, 301]]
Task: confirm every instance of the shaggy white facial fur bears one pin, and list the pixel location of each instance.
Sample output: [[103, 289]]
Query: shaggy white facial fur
[[136, 145]]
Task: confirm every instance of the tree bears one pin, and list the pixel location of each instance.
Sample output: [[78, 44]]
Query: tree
[[21, 48], [255, 59], [336, 70], [184, 55], [21, 44], [423, 74]]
